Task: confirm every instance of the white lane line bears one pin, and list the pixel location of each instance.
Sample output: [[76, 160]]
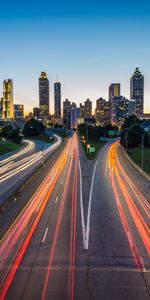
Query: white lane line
[[62, 182], [89, 208], [56, 199], [44, 237], [81, 206]]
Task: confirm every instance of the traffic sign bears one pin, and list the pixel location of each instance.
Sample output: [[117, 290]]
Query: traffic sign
[[92, 149]]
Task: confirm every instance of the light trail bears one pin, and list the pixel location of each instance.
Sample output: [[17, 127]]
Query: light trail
[[73, 231], [56, 231], [27, 162], [29, 217], [130, 238], [142, 200], [28, 148], [140, 223], [137, 217]]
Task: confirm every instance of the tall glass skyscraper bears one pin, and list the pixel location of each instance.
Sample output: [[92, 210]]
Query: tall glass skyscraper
[[8, 107], [44, 95], [57, 99], [137, 90], [114, 90]]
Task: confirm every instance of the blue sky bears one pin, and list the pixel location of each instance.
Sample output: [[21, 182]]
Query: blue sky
[[88, 43]]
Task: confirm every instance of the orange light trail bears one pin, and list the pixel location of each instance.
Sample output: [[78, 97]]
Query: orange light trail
[[135, 213], [55, 236], [142, 200], [73, 232], [34, 209]]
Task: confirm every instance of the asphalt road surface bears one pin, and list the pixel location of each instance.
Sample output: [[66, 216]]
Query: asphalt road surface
[[16, 168], [84, 233]]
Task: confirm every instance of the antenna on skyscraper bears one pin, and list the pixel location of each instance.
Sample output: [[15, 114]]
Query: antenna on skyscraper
[[57, 76]]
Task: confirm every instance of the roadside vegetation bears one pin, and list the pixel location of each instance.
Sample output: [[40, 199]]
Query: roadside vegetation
[[44, 138], [7, 146], [133, 135], [10, 140], [36, 130], [136, 155], [91, 137], [97, 145]]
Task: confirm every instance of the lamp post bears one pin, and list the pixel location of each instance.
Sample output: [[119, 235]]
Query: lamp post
[[142, 150], [87, 133], [126, 141]]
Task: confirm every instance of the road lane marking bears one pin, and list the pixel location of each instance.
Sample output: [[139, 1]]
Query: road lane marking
[[56, 199], [89, 208], [81, 206], [56, 232], [44, 237], [86, 228]]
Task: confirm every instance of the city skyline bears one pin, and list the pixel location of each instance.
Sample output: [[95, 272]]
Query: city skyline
[[89, 45]]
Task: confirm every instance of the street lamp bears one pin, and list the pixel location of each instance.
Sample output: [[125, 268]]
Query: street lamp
[[142, 150], [126, 141]]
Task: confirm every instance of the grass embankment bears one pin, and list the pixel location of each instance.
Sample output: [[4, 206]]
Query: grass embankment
[[98, 145], [136, 155], [44, 138], [61, 133], [8, 146]]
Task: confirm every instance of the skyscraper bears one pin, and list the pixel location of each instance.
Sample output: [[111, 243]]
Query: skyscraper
[[18, 111], [82, 112], [1, 108], [137, 90], [57, 99], [36, 112], [119, 110], [66, 113], [8, 107], [114, 90], [73, 116], [103, 112], [44, 95], [88, 108]]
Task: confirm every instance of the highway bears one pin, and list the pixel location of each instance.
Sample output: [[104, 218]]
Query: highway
[[84, 234], [16, 168]]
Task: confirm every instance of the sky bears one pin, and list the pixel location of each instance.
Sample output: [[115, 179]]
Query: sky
[[89, 44]]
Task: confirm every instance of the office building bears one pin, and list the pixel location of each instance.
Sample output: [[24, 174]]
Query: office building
[[73, 116], [36, 112], [66, 113], [88, 108], [18, 111], [44, 95], [132, 107], [57, 99], [82, 114], [8, 107], [1, 108], [114, 90], [119, 110], [103, 112], [137, 90]]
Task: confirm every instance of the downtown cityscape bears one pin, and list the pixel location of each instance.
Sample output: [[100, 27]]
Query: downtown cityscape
[[113, 111], [75, 150]]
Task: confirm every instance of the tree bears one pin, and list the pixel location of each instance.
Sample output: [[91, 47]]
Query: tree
[[134, 135], [10, 133], [33, 128], [130, 121], [147, 139]]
